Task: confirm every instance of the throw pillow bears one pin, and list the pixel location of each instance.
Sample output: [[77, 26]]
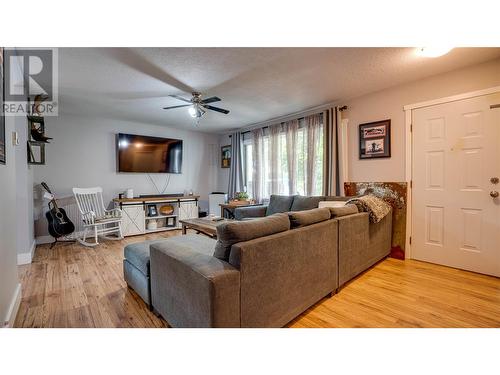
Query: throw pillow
[[238, 231], [301, 203], [348, 209], [303, 218], [279, 204]]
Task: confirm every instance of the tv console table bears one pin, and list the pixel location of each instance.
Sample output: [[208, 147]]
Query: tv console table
[[135, 218]]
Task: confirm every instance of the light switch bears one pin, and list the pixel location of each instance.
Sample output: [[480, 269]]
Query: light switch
[[15, 139]]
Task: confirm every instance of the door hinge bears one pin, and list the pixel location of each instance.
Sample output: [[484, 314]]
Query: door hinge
[[411, 128], [410, 240], [411, 184]]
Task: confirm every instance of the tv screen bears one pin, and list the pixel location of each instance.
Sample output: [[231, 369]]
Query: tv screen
[[142, 154]]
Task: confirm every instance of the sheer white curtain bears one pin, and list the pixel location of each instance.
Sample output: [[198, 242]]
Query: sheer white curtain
[[257, 164], [314, 128], [291, 129], [288, 158], [274, 159]]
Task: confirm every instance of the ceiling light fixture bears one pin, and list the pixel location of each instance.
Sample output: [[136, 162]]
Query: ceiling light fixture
[[433, 51], [196, 111]]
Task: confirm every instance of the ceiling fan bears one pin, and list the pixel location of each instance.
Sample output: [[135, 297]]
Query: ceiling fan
[[197, 105]]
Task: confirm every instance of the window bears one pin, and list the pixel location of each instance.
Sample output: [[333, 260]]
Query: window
[[275, 173], [247, 165]]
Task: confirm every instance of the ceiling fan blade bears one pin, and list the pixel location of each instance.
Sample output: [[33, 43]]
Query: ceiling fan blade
[[138, 95], [181, 98], [211, 100], [135, 60], [217, 109], [178, 106]]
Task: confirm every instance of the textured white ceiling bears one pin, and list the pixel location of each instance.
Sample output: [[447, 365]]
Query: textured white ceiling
[[255, 84]]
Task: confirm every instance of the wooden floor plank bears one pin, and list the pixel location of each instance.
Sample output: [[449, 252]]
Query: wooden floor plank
[[74, 286]]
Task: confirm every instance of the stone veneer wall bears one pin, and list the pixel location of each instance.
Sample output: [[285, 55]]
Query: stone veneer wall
[[394, 193]]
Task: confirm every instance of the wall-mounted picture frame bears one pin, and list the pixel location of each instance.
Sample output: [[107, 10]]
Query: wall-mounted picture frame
[[2, 114], [225, 156], [375, 140], [36, 153]]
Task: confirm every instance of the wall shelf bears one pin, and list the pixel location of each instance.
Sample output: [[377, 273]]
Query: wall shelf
[[159, 217]]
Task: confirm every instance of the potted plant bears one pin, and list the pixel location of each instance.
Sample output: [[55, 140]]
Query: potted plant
[[241, 196]]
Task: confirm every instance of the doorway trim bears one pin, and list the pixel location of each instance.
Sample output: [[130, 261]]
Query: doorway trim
[[409, 149]]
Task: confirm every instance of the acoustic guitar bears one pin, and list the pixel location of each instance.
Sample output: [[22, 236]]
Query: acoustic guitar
[[59, 223]]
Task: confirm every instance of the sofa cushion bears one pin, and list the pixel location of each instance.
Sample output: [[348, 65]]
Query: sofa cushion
[[301, 203], [348, 209], [278, 204], [303, 218], [239, 231], [137, 254]]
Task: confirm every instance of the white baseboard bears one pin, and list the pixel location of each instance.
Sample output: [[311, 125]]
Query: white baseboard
[[25, 258], [44, 239], [13, 308]]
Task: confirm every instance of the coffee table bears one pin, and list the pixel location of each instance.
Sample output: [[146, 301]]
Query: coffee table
[[206, 226]]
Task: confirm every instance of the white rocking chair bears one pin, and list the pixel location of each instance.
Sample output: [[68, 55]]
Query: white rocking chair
[[96, 219]]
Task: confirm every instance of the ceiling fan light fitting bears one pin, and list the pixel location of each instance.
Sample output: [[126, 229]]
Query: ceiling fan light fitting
[[199, 111], [198, 107], [192, 111]]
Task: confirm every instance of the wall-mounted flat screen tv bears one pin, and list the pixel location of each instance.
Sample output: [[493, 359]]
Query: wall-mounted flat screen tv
[[142, 154]]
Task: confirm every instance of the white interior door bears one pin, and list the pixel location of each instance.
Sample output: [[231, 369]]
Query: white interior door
[[456, 158]]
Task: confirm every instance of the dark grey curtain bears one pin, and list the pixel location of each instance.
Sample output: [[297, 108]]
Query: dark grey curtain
[[236, 168], [332, 168]]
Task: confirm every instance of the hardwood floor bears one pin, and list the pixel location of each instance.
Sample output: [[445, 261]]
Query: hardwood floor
[[74, 286], [404, 294]]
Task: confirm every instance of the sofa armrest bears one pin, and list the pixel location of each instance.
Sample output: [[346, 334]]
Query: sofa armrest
[[361, 244], [241, 213], [193, 289]]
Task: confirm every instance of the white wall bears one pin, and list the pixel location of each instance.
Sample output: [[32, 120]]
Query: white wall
[[388, 104], [24, 195], [8, 253], [16, 212], [83, 154]]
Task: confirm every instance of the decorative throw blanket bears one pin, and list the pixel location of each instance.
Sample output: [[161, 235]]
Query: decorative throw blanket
[[376, 207]]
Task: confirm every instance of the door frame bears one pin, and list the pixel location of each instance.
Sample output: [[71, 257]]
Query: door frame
[[408, 110]]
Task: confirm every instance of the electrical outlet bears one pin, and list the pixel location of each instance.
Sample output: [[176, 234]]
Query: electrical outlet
[[15, 139]]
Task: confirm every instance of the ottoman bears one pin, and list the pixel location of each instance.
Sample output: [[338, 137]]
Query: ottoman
[[136, 270]]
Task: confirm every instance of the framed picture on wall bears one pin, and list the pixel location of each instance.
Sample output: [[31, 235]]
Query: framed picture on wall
[[375, 140], [2, 115], [225, 156]]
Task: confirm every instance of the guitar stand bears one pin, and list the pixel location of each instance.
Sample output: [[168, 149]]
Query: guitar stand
[[56, 241]]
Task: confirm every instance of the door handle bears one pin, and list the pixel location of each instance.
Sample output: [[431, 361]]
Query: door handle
[[494, 194]]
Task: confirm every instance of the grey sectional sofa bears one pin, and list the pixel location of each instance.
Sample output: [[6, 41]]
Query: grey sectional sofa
[[265, 272]]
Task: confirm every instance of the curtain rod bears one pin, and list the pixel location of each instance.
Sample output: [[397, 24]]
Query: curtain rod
[[287, 118], [267, 126]]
